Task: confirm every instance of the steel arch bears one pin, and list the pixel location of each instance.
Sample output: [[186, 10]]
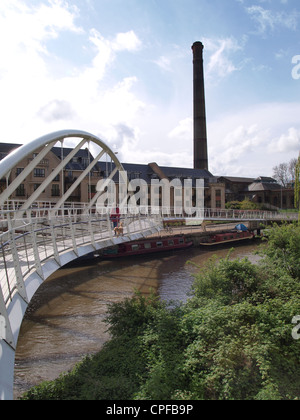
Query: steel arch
[[46, 143]]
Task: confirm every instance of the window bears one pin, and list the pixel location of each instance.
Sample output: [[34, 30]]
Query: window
[[20, 191], [55, 192], [19, 170], [39, 173]]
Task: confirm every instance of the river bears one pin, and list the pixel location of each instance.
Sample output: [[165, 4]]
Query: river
[[65, 319]]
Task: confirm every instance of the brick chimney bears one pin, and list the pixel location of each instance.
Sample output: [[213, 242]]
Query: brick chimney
[[200, 132]]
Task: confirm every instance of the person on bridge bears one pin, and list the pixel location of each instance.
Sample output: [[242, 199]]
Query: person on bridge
[[115, 218], [119, 230]]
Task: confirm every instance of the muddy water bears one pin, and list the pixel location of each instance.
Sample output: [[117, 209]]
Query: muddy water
[[65, 319]]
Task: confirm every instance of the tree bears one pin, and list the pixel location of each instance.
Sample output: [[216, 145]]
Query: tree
[[281, 174], [284, 173], [297, 187]]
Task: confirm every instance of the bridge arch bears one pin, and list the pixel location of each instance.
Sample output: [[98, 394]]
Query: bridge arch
[[45, 144], [36, 238]]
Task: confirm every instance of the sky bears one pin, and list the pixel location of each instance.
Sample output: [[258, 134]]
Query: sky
[[122, 70]]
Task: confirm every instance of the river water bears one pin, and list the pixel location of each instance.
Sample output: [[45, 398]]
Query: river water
[[65, 319]]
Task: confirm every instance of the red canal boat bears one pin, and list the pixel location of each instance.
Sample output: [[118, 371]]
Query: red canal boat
[[226, 237], [147, 246]]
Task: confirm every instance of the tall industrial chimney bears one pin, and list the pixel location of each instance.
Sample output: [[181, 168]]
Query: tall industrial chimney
[[200, 132]]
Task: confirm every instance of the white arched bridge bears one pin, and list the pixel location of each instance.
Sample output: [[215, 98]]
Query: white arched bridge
[[38, 237]]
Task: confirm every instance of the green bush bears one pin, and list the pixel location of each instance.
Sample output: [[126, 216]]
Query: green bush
[[243, 205]]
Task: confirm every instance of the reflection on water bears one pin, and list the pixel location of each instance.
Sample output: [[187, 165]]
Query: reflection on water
[[65, 319]]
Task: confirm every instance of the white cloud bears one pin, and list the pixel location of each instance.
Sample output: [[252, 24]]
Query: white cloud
[[36, 100], [254, 140], [106, 50], [25, 82], [164, 63], [25, 29], [220, 63], [184, 130], [57, 110], [126, 41], [268, 19], [287, 142]]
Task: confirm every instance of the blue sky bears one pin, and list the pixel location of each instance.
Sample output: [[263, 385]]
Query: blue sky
[[122, 70]]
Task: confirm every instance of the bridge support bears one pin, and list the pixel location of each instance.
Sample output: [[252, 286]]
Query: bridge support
[[7, 362]]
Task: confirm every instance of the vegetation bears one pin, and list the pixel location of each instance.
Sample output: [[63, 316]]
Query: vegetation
[[232, 340], [297, 186], [244, 205], [284, 173]]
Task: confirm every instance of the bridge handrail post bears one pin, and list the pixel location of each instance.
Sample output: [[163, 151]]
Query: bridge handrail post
[[37, 260], [6, 282], [5, 330], [72, 227], [109, 227], [54, 242], [19, 282], [127, 223], [90, 229]]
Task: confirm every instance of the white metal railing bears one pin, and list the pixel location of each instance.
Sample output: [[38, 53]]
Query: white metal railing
[[248, 215], [225, 214], [47, 233]]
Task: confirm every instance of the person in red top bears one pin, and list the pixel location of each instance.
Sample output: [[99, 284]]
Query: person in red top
[[115, 217]]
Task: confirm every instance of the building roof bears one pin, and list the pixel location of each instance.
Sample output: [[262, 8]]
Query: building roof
[[6, 148], [80, 161], [263, 183], [236, 179], [173, 172], [154, 171]]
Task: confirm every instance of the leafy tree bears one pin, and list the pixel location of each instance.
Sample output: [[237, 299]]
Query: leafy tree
[[284, 173], [297, 186]]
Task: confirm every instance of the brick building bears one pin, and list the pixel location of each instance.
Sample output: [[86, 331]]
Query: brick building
[[262, 190], [214, 191]]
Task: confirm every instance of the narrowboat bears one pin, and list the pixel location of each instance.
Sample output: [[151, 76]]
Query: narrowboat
[[146, 246], [227, 237]]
